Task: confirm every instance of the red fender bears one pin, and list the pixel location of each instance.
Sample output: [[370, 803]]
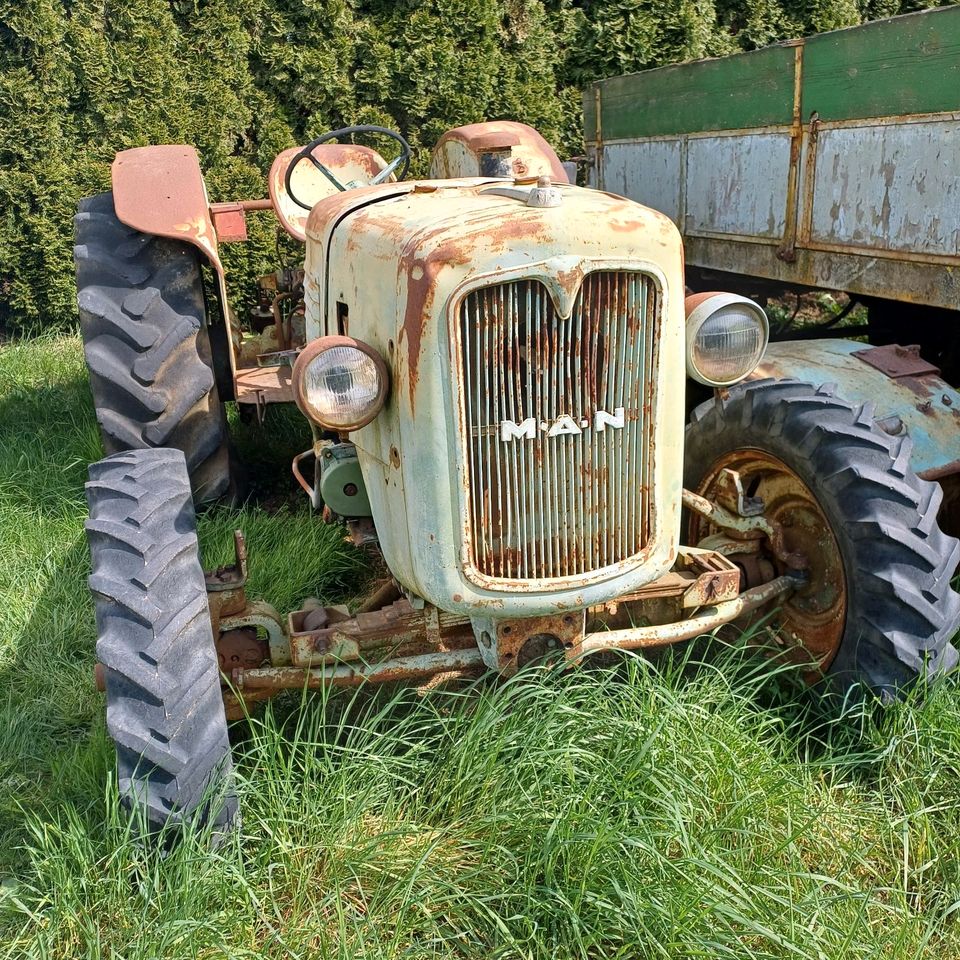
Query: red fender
[[500, 148], [160, 190]]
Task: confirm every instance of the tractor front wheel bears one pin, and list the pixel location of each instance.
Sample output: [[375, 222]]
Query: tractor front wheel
[[877, 607], [154, 638]]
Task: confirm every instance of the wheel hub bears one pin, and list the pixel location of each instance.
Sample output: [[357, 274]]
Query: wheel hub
[[241, 648], [812, 619]]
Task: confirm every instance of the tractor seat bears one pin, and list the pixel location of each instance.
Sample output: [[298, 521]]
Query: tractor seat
[[350, 164]]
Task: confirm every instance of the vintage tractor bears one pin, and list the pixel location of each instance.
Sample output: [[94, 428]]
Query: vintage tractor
[[495, 365]]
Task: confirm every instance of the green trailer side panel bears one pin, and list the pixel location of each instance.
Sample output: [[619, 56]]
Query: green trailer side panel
[[748, 90], [906, 65]]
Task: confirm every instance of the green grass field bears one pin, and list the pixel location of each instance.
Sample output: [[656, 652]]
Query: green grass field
[[695, 806]]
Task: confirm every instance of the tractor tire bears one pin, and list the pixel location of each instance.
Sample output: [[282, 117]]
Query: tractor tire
[[147, 347], [165, 709], [894, 623]]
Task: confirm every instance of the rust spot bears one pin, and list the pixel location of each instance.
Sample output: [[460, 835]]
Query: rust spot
[[571, 279], [420, 294], [514, 229], [626, 226], [421, 290]]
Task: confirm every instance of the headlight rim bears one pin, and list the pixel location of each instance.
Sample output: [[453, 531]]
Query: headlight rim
[[701, 311], [310, 353]]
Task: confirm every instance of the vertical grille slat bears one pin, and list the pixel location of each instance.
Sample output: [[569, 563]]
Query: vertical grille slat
[[557, 486]]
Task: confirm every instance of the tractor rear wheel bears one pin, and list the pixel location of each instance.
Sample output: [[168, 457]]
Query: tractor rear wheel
[[878, 608], [145, 337], [154, 639]]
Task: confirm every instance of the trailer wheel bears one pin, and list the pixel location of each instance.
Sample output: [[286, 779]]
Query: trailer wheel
[[165, 709], [145, 337], [878, 608]]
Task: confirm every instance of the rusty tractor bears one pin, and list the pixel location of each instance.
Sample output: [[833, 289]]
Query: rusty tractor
[[494, 363]]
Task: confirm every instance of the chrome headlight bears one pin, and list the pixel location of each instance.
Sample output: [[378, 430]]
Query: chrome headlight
[[340, 383], [726, 337]]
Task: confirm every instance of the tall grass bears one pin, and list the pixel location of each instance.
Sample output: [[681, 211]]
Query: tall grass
[[693, 806]]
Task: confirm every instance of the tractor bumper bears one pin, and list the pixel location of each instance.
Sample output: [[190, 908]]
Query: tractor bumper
[[401, 642]]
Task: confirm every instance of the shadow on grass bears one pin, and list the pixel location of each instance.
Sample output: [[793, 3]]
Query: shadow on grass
[[53, 744], [266, 451]]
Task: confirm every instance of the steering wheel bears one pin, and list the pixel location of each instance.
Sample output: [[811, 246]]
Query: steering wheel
[[307, 154]]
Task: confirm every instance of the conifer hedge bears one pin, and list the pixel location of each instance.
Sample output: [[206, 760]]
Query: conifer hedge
[[243, 79]]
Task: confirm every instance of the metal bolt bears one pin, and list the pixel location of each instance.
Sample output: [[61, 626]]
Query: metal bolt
[[350, 489], [891, 425]]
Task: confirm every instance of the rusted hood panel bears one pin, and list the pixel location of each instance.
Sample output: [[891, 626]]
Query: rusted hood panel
[[399, 259], [458, 229]]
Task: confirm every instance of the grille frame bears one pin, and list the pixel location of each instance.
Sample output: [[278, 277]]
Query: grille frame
[[563, 279]]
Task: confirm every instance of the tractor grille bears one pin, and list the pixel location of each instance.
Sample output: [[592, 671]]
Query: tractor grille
[[558, 419]]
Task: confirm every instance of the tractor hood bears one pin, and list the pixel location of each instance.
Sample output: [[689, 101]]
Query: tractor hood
[[397, 266]]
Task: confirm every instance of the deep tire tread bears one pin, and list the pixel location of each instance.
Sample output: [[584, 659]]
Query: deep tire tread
[[902, 612], [142, 316], [164, 702]]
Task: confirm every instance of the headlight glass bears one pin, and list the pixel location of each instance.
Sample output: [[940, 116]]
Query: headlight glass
[[342, 386], [729, 343]]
